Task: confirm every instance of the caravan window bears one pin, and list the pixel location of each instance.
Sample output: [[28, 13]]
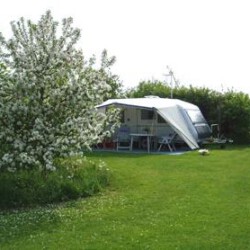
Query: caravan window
[[196, 116], [200, 124], [147, 114]]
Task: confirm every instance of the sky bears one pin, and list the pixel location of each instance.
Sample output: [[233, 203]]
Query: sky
[[206, 43]]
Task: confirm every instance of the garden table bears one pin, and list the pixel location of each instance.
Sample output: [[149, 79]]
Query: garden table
[[148, 136]]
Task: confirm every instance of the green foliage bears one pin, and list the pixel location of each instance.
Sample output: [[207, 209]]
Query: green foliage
[[146, 88], [73, 179], [236, 115], [231, 110], [2, 71]]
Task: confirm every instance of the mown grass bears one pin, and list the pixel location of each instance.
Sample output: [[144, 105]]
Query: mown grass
[[155, 202]]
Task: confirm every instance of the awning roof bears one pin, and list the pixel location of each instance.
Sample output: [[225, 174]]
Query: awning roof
[[149, 103]]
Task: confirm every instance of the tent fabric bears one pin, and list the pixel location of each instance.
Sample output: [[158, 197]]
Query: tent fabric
[[176, 120], [170, 109]]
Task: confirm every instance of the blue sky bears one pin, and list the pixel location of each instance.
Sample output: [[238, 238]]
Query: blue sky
[[205, 43]]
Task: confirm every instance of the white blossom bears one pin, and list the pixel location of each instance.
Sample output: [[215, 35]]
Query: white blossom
[[48, 95]]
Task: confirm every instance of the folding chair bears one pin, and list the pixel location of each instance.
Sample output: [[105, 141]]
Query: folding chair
[[123, 138], [169, 141]]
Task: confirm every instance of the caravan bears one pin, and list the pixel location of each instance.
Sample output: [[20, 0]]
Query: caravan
[[154, 118]]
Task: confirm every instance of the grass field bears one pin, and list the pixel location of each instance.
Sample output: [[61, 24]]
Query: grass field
[[154, 202]]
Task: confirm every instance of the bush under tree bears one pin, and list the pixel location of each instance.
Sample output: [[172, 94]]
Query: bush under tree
[[74, 178]]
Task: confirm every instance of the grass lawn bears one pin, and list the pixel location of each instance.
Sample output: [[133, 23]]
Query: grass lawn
[[154, 202]]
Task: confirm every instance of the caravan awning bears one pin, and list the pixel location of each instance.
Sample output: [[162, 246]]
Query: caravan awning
[[171, 110]]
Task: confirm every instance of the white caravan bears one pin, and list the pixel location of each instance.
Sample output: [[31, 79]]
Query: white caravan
[[161, 117]]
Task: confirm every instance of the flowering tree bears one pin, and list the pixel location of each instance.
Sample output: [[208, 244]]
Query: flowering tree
[[48, 94]]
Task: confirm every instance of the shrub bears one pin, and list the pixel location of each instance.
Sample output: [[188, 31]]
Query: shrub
[[74, 178]]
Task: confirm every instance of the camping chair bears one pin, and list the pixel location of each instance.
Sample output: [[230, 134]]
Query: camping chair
[[123, 138], [169, 141]]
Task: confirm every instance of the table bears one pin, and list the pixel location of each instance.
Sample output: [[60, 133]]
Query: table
[[140, 135]]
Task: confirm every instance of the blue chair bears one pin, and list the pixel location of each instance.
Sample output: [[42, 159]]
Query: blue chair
[[123, 138]]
